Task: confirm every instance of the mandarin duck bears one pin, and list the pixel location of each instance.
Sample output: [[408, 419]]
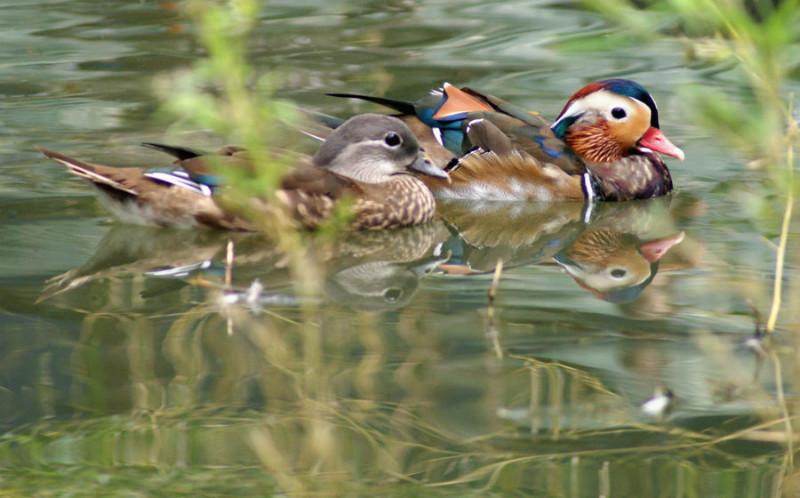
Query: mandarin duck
[[602, 146], [369, 159]]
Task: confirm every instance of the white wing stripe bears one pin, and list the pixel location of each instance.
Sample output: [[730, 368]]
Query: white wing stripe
[[179, 179]]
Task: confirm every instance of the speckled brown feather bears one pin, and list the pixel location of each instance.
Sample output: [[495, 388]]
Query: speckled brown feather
[[311, 193], [402, 201], [637, 176]]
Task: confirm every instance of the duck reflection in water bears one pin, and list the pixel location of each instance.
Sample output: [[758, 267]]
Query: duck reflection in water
[[614, 266], [369, 270], [611, 250], [381, 270]]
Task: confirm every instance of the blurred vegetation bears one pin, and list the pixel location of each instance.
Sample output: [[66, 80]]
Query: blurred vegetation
[[316, 436], [760, 37], [224, 94], [307, 403]]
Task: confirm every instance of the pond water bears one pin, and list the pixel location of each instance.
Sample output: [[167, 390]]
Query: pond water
[[125, 370]]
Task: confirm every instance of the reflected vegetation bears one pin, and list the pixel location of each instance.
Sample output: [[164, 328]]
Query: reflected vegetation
[[143, 361], [222, 374], [612, 250]]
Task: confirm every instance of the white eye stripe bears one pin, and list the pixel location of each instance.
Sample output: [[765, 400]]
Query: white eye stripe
[[574, 108], [603, 101]]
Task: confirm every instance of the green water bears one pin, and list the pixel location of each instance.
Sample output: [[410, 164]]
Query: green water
[[121, 375]]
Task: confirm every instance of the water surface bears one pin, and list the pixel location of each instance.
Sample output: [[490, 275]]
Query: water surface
[[126, 368]]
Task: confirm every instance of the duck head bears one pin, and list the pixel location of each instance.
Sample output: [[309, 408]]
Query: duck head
[[371, 148], [615, 267], [610, 119]]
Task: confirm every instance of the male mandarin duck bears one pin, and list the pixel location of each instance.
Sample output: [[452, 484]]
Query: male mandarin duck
[[369, 158], [602, 146]]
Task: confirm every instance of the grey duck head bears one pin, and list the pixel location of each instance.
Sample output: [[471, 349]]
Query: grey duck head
[[371, 148]]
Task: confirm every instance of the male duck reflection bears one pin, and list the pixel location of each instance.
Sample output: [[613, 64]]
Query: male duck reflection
[[614, 266], [602, 146], [614, 255], [369, 159]]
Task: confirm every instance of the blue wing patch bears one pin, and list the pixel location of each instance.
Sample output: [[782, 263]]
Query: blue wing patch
[[555, 154]]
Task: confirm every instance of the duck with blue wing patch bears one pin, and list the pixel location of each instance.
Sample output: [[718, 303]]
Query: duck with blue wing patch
[[606, 140], [369, 159]]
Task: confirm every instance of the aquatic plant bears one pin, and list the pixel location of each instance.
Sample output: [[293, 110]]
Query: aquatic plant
[[758, 38], [209, 392]]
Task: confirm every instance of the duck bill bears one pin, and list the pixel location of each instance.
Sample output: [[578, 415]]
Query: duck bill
[[424, 166], [654, 140]]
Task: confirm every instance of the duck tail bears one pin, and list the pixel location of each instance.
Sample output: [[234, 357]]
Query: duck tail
[[87, 171], [403, 107], [331, 122], [179, 153]]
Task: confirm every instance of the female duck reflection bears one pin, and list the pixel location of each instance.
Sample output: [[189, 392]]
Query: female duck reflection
[[363, 270], [614, 255]]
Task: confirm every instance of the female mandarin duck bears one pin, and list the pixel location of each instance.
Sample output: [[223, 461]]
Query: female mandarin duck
[[602, 146], [369, 159]]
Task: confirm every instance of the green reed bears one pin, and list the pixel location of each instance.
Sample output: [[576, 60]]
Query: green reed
[[759, 38], [317, 432], [223, 93], [326, 428]]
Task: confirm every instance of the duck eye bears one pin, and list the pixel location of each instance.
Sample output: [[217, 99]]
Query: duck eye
[[618, 273], [392, 139], [618, 113], [392, 294]]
